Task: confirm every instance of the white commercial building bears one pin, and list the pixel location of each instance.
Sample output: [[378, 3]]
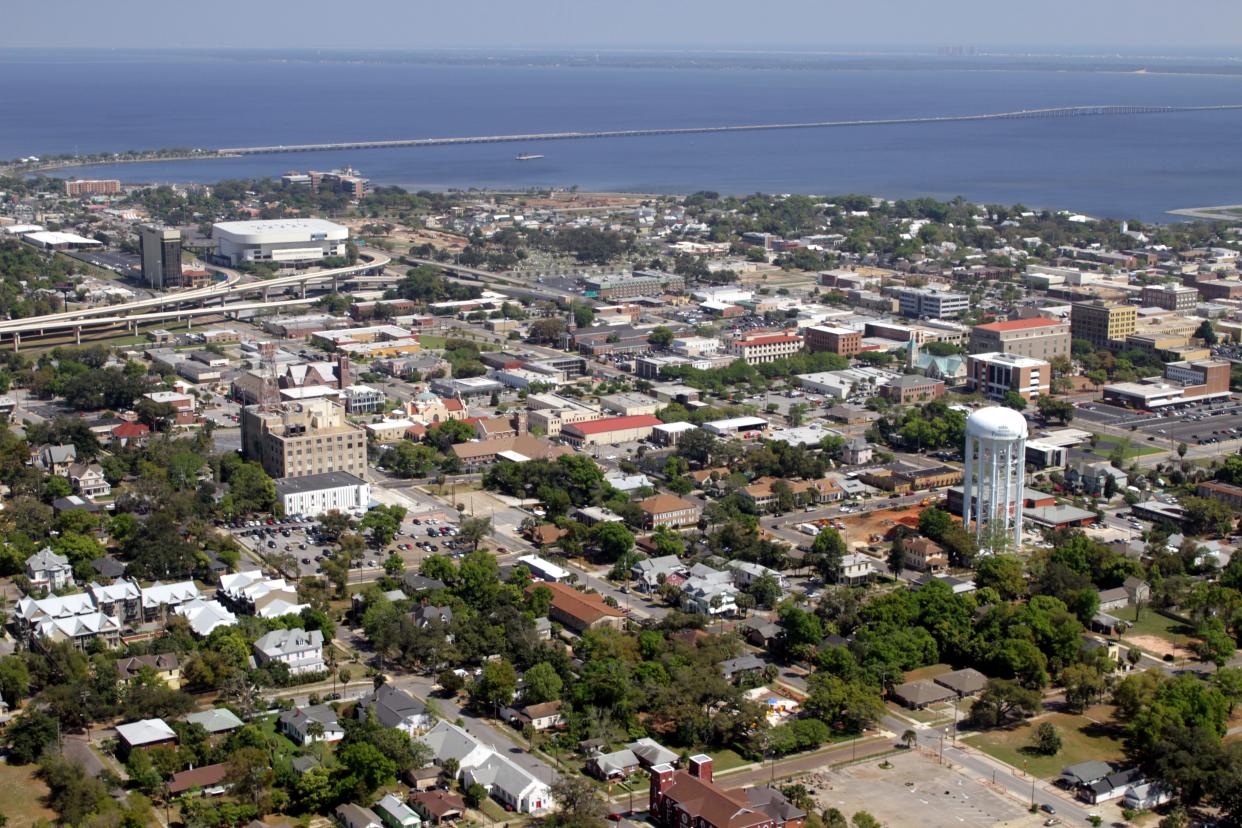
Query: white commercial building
[[995, 461], [315, 494], [279, 241]]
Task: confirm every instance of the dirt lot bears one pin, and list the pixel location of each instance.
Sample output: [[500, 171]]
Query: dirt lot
[[869, 528], [1158, 646], [914, 785]]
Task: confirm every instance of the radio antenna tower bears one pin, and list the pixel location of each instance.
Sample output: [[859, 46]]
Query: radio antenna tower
[[269, 395]]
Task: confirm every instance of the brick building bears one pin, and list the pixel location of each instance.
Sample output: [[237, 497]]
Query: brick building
[[822, 338], [691, 799]]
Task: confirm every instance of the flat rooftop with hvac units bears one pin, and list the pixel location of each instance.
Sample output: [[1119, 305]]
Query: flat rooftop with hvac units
[[283, 242]]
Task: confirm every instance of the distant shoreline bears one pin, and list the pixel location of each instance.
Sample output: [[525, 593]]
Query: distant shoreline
[[1224, 212]]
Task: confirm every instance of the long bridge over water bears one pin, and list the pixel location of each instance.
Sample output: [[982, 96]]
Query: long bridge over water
[[1053, 112]]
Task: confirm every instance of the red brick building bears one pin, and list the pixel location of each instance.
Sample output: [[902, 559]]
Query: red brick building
[[844, 341], [690, 799]]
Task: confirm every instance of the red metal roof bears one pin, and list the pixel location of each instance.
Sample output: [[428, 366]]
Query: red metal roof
[[1021, 324], [614, 424], [768, 340]]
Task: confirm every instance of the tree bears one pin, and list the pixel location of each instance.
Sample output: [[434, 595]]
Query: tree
[[29, 735], [1051, 408], [1014, 400], [828, 549], [909, 738], [578, 802], [897, 556], [1215, 644], [1046, 739], [850, 705], [250, 490], [1228, 681], [474, 529], [1002, 699], [333, 524], [475, 794], [612, 539], [766, 590], [383, 522], [250, 773], [862, 819], [1003, 573], [1083, 683], [1206, 332], [661, 336], [541, 683], [495, 685]]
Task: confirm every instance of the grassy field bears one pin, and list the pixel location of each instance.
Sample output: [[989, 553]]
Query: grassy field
[[1081, 737], [929, 672], [723, 760], [1105, 445], [1151, 622], [426, 341], [21, 796]]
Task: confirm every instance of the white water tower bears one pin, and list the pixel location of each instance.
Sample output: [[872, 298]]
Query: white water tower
[[995, 475]]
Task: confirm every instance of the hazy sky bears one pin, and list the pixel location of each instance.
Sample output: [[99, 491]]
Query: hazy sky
[[1150, 26]]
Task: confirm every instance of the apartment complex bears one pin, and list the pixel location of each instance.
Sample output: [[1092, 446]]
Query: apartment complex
[[1102, 322], [997, 374], [1039, 338], [1170, 296], [925, 303], [86, 186], [844, 341], [303, 438], [160, 249], [759, 348]]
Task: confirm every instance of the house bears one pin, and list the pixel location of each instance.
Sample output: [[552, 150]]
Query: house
[[613, 766], [217, 722], [396, 814], [1092, 476], [1111, 787], [391, 707], [424, 778], [709, 592], [421, 583], [925, 555], [855, 569], [47, 570], [158, 598], [919, 694], [206, 616], [296, 724], [122, 599], [505, 781], [88, 480], [209, 780], [762, 634], [540, 717], [747, 665], [438, 806], [649, 571], [1146, 796], [144, 735], [356, 816], [691, 798], [125, 434], [546, 534], [55, 460], [297, 649], [857, 451], [669, 510], [426, 614], [108, 568], [1115, 598], [1085, 773], [651, 753], [580, 611], [165, 666], [746, 573], [966, 682]]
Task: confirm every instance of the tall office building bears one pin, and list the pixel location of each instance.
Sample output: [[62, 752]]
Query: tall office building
[[161, 256], [1102, 322], [295, 439]]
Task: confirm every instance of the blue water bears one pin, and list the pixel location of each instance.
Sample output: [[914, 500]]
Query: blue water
[[1122, 166]]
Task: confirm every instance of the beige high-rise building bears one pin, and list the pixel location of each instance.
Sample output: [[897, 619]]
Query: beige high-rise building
[[1101, 322], [300, 438], [1038, 338]]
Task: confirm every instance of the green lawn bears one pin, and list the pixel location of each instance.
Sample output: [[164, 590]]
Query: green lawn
[[1151, 622], [21, 796], [494, 811], [284, 748], [1081, 738], [1105, 445], [426, 341], [723, 760], [929, 672]]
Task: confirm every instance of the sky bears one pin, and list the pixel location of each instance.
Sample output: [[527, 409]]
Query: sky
[[1100, 26]]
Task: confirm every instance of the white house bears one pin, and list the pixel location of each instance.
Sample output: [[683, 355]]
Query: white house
[[396, 814], [391, 707], [205, 616], [299, 650], [296, 724], [47, 570], [746, 573], [505, 781]]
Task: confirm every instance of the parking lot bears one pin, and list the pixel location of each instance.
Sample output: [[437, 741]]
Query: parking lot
[[914, 786], [418, 537], [1205, 424]]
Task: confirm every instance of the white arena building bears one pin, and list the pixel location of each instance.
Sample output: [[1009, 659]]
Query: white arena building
[[995, 475], [282, 242]]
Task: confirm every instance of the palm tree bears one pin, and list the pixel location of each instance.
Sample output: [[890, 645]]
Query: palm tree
[[314, 732], [909, 738]]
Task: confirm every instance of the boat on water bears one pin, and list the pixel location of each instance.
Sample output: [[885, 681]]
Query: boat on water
[[528, 156]]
